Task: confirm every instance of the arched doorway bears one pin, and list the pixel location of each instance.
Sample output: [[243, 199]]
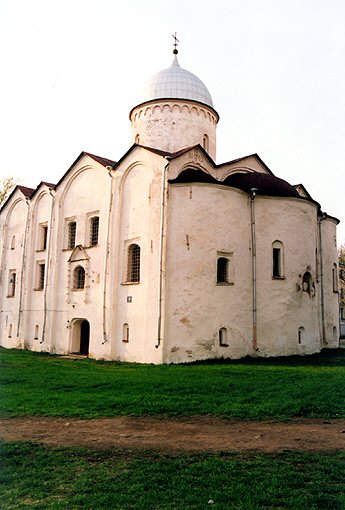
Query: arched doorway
[[80, 338], [84, 337]]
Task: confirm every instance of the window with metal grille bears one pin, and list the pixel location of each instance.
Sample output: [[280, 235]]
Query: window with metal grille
[[94, 229], [133, 264], [40, 276], [12, 283], [71, 233], [79, 278], [222, 270]]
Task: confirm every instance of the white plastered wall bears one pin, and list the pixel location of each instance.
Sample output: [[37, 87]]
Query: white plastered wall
[[84, 193], [137, 217], [202, 221], [13, 222], [174, 125]]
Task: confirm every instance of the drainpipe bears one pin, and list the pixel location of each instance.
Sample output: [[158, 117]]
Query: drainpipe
[[23, 267], [52, 193], [253, 242], [161, 256], [323, 339], [104, 318]]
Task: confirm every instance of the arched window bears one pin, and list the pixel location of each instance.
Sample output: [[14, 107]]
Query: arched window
[[125, 337], [308, 284], [205, 142], [277, 260], [94, 230], [137, 139], [133, 264], [79, 278], [223, 270], [223, 337]]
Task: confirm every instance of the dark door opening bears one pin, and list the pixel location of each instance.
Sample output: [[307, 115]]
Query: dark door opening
[[84, 337]]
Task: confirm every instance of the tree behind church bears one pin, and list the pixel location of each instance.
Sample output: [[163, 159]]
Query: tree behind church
[[6, 186]]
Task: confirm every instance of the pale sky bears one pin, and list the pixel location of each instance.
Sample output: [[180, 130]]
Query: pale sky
[[71, 70]]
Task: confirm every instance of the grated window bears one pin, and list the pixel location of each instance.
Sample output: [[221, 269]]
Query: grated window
[[222, 270], [12, 284], [79, 278], [72, 229], [41, 274], [133, 264], [94, 230]]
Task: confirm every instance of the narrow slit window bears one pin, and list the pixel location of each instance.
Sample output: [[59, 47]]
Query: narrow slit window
[[223, 270], [335, 278], [277, 260], [125, 337], [36, 332], [10, 331], [133, 267], [301, 332], [205, 142]]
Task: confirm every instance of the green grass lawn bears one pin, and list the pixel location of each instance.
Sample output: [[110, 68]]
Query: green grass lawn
[[39, 477], [42, 477], [254, 389]]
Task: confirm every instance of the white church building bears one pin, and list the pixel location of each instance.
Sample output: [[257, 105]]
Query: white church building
[[165, 256]]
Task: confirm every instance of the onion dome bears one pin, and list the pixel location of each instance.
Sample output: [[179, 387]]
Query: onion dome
[[176, 83]]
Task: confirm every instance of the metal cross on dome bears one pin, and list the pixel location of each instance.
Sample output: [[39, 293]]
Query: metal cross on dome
[[176, 41]]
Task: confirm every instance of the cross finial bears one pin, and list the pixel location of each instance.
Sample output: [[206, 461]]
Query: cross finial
[[176, 41]]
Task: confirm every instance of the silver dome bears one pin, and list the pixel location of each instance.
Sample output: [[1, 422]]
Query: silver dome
[[177, 83]]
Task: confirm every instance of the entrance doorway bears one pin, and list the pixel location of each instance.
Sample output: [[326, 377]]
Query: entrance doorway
[[84, 337], [80, 338]]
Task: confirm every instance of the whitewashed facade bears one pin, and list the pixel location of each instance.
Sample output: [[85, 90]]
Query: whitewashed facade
[[165, 256]]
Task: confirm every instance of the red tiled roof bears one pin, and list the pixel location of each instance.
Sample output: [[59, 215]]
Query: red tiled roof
[[99, 159], [26, 191]]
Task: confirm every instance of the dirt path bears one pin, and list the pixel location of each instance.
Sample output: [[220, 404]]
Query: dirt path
[[193, 434]]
